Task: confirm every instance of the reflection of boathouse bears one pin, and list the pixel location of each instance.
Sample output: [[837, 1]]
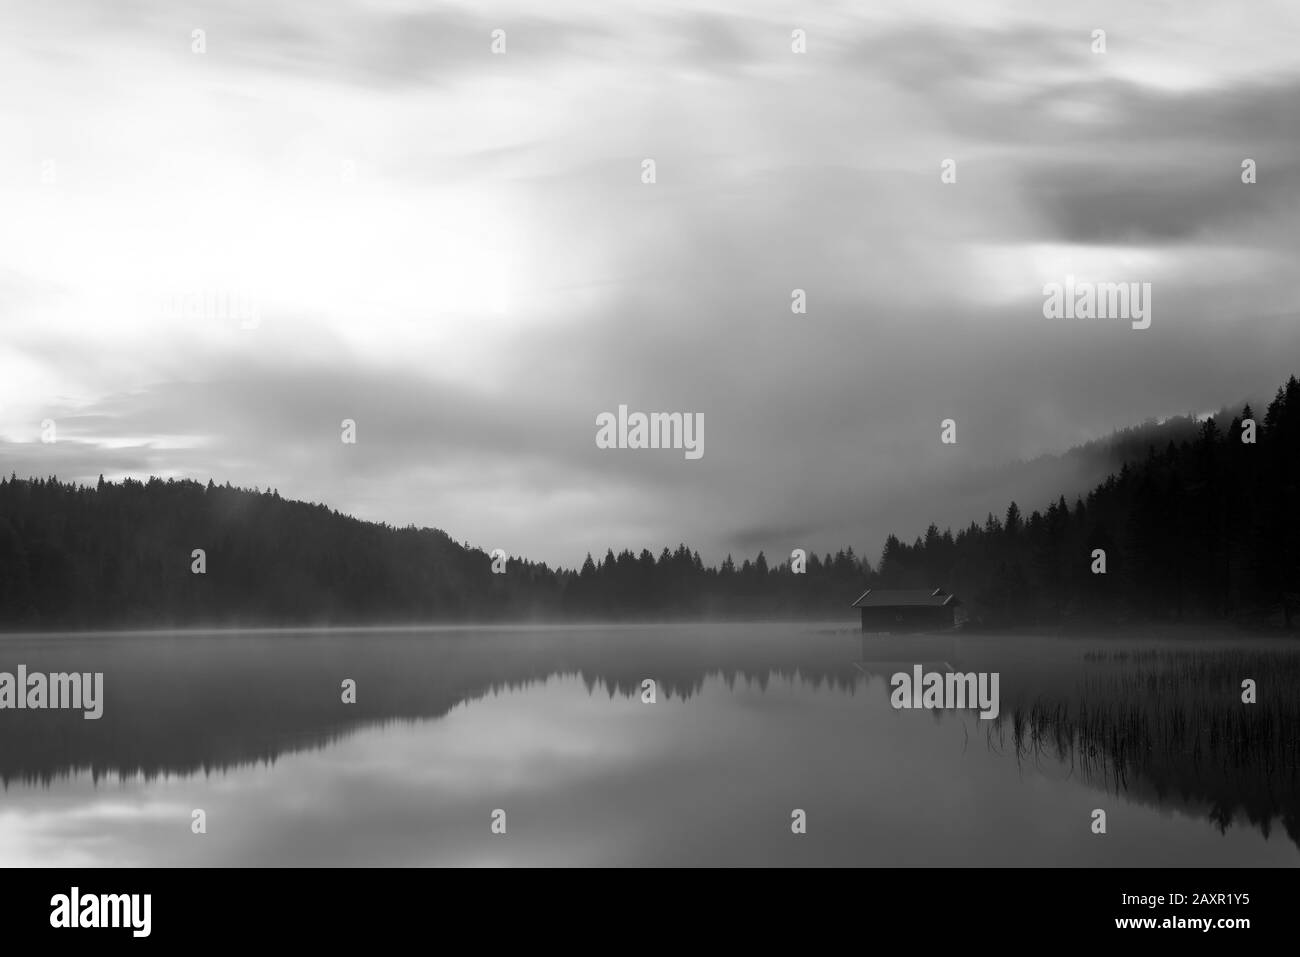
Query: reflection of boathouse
[[907, 609]]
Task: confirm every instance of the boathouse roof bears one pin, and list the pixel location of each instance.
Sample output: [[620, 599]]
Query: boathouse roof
[[904, 597]]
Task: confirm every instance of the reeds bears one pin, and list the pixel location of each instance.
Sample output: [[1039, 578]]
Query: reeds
[[1171, 725]]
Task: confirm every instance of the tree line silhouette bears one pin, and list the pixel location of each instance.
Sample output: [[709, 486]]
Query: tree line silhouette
[[1207, 528]]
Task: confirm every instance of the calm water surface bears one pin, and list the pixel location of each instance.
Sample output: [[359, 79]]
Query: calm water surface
[[751, 722]]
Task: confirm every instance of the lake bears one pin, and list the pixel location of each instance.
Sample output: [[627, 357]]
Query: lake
[[750, 723]]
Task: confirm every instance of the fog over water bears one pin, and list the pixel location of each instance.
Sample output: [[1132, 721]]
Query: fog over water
[[550, 725]]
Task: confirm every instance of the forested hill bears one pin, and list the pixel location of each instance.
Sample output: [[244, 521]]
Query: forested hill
[[1205, 527], [123, 555]]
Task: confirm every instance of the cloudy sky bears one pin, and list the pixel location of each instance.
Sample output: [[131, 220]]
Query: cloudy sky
[[455, 249]]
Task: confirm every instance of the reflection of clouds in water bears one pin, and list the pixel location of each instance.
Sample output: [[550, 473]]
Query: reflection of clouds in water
[[192, 702], [590, 779], [85, 828]]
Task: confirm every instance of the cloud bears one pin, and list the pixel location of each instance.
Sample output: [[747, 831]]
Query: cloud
[[496, 274]]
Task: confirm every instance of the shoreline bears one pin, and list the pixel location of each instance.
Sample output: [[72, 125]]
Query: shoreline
[[1190, 631]]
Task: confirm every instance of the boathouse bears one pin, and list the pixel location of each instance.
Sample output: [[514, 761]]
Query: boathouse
[[907, 609]]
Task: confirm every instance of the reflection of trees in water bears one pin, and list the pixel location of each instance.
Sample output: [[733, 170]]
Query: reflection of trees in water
[[1170, 728], [1166, 728], [191, 703]]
